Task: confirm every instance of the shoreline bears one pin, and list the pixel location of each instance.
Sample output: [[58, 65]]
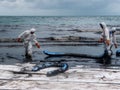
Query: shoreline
[[82, 78], [84, 73]]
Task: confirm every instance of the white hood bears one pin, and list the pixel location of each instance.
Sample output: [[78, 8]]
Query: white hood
[[113, 29], [105, 30], [103, 25], [32, 30]]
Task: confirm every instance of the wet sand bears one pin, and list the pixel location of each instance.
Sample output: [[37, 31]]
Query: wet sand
[[83, 73]]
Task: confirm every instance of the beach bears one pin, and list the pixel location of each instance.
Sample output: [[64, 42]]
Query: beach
[[83, 73]]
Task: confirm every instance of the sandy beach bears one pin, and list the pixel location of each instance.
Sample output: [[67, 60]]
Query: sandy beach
[[77, 78]]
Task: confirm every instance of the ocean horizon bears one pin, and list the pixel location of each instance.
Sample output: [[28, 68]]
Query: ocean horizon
[[12, 26]]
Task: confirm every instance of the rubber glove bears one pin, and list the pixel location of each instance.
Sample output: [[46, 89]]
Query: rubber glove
[[37, 44], [100, 40], [19, 39]]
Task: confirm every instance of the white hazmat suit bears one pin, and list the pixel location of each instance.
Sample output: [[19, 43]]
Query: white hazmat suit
[[108, 37], [113, 37], [105, 35], [27, 37]]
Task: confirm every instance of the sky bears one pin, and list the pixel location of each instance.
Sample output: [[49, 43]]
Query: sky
[[59, 7]]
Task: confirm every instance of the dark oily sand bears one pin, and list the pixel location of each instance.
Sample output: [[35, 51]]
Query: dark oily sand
[[84, 73]]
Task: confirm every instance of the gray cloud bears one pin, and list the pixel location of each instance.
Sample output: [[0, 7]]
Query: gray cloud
[[61, 7]]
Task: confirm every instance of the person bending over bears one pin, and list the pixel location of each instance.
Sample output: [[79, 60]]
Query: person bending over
[[27, 37]]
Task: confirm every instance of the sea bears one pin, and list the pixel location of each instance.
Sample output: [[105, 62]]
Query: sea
[[53, 26], [47, 26]]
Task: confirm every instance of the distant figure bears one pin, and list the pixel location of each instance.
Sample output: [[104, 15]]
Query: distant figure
[[27, 37], [108, 37], [113, 38]]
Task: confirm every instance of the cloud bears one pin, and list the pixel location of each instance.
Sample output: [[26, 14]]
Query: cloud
[[113, 8], [60, 7], [8, 4]]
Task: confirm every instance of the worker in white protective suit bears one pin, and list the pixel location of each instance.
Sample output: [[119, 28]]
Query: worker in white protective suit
[[105, 34], [113, 38], [27, 37], [108, 37]]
